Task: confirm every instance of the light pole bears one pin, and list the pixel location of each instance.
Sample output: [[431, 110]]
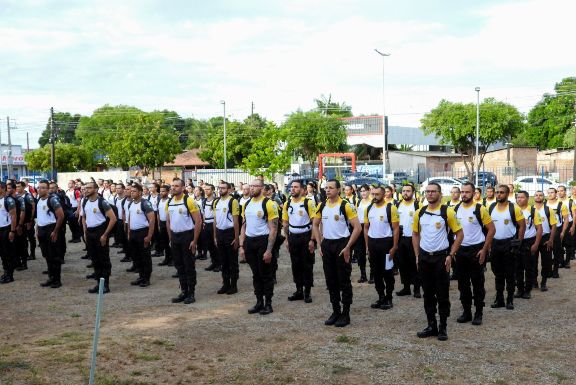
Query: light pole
[[225, 162], [477, 162], [384, 125]]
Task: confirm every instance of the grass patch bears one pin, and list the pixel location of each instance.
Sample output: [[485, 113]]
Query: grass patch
[[268, 364], [560, 377], [109, 380], [6, 366], [164, 343], [75, 315], [343, 339], [136, 373], [341, 370], [146, 357]]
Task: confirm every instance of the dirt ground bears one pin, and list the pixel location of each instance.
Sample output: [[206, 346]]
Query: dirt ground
[[46, 335]]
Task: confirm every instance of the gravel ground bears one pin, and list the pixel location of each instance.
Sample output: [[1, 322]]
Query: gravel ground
[[46, 334]]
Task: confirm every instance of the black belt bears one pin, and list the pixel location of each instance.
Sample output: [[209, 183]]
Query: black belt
[[434, 253], [141, 229], [96, 227], [225, 230], [502, 240]]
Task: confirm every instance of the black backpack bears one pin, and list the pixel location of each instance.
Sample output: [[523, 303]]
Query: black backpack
[[443, 214], [100, 206], [531, 221], [264, 202], [477, 214], [230, 203], [388, 212], [185, 202], [64, 201], [510, 209], [306, 205], [342, 209]]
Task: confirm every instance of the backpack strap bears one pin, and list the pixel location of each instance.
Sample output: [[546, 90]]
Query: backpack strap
[[444, 215], [343, 210], [532, 213], [547, 213], [265, 215], [512, 214], [478, 213], [559, 209], [491, 208], [389, 214], [457, 207]]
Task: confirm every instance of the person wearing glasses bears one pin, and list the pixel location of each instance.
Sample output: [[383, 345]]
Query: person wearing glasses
[[430, 232], [455, 196], [510, 228]]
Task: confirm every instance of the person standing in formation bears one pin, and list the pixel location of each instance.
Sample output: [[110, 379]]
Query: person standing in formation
[[184, 224], [73, 195], [50, 218], [530, 246], [561, 211], [227, 237], [454, 196], [381, 234], [207, 234], [434, 255], [28, 226], [471, 256], [141, 222], [8, 227], [406, 257], [257, 239], [547, 242], [490, 192], [297, 224], [336, 240], [510, 226], [99, 221], [359, 250], [567, 242], [163, 238]]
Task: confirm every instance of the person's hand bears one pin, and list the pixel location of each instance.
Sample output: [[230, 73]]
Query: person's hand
[[193, 247], [147, 241], [267, 256], [235, 243], [311, 246], [53, 236], [481, 256], [549, 244], [534, 249], [562, 236], [11, 236], [242, 256], [572, 230], [448, 263], [29, 226], [393, 251], [346, 254], [103, 240], [19, 230]]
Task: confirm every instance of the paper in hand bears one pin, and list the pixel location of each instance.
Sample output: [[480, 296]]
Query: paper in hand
[[389, 262]]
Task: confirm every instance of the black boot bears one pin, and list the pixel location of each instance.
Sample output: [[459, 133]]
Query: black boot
[[442, 332], [334, 316], [233, 289], [543, 286], [344, 319], [363, 277], [405, 291], [307, 297], [387, 303], [180, 298], [498, 301], [267, 307], [371, 279], [7, 278], [298, 295], [257, 307], [466, 314], [378, 303], [225, 287], [48, 283], [431, 330], [510, 301], [211, 267], [190, 298], [477, 317], [526, 294]]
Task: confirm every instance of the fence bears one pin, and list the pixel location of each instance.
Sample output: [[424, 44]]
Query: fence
[[214, 176]]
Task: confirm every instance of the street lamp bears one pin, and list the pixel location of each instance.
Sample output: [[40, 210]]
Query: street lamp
[[384, 125], [225, 162], [477, 162]]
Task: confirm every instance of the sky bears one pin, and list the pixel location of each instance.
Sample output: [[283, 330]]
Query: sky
[[188, 56]]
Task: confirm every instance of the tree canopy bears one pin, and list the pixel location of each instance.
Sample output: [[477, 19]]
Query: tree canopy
[[69, 157], [455, 125], [65, 125]]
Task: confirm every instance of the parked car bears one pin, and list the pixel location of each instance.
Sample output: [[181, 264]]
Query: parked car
[[485, 178], [533, 183], [446, 184], [400, 177], [350, 176], [368, 181]]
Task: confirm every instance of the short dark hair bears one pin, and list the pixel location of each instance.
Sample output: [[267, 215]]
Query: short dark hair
[[299, 181], [469, 184], [365, 187], [489, 188], [336, 181], [22, 184], [95, 185], [552, 188], [478, 189], [437, 185], [524, 192], [44, 181], [409, 185], [228, 185], [506, 188], [165, 187], [137, 186], [121, 185], [179, 180]]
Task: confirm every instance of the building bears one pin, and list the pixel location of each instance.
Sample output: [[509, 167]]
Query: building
[[183, 165], [17, 161], [423, 164]]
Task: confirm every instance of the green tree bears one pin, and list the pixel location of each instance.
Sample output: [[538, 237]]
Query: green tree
[[69, 157], [125, 136], [455, 125], [328, 107], [312, 133], [269, 154], [551, 118], [65, 125]]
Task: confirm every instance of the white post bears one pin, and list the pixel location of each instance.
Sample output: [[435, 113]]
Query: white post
[[96, 331], [477, 162], [225, 161], [384, 128]]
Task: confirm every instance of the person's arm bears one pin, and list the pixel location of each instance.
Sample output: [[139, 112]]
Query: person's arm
[[236, 220], [416, 245], [13, 226], [111, 223], [357, 229], [455, 246], [564, 225], [197, 217], [487, 243], [536, 245], [242, 240], [151, 222], [273, 228], [365, 235], [316, 233], [521, 229], [59, 221], [396, 239]]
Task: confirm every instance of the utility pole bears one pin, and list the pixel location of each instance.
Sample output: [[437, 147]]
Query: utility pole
[[27, 149], [10, 163], [574, 166], [225, 144], [52, 140], [385, 159], [252, 113]]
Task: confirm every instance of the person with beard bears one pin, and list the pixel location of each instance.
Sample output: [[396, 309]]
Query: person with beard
[[567, 242], [163, 238], [207, 234], [68, 216], [20, 246], [73, 195], [50, 219], [141, 222], [8, 228], [406, 257], [257, 240], [454, 196], [434, 255], [336, 240], [546, 246], [381, 234], [510, 227], [471, 256], [297, 223], [530, 245], [28, 226], [490, 192]]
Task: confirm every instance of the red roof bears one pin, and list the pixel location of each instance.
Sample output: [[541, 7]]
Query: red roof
[[188, 158]]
